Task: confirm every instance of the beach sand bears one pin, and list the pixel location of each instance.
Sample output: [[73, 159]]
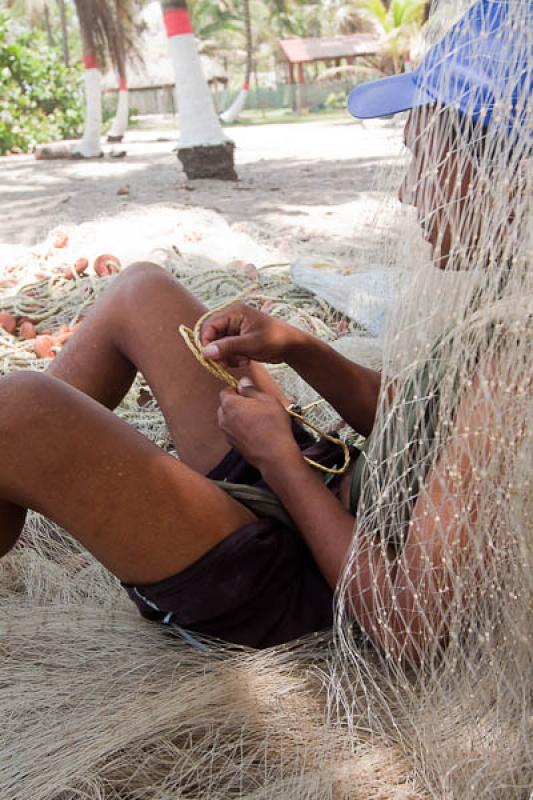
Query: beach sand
[[305, 191]]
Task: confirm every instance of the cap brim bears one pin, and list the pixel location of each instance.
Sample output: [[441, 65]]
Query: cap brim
[[386, 96]]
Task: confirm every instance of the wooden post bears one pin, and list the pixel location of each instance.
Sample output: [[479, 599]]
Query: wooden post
[[292, 84], [64, 31], [299, 87]]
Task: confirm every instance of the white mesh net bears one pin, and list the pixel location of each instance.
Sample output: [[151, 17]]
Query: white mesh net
[[440, 569], [427, 694]]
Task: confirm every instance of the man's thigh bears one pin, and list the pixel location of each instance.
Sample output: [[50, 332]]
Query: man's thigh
[[141, 513]]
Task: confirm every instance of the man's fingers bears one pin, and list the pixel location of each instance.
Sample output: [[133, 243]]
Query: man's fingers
[[229, 350], [211, 351], [247, 388], [221, 324], [226, 394], [211, 330]]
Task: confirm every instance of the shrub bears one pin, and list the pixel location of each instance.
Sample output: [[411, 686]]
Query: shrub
[[335, 100], [41, 100]]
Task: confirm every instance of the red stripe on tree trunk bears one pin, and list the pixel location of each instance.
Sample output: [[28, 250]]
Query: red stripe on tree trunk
[[89, 61], [246, 86], [123, 85], [177, 21]]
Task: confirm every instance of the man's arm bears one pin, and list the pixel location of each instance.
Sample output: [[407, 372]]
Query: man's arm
[[258, 426], [351, 389], [321, 519], [400, 601], [403, 603]]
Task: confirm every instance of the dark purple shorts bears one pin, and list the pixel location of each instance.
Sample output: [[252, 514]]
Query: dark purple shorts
[[259, 586]]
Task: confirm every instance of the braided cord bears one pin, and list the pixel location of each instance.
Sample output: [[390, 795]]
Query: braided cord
[[191, 337]]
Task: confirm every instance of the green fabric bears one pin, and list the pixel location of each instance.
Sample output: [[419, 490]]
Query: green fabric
[[260, 502], [407, 435], [417, 401], [407, 430]]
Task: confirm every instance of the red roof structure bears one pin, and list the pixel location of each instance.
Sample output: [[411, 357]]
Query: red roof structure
[[299, 51]]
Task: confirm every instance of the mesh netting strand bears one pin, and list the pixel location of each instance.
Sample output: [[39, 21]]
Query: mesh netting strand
[[440, 567], [428, 695]]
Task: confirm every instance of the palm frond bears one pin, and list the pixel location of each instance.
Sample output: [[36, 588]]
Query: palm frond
[[111, 30], [406, 12], [32, 11]]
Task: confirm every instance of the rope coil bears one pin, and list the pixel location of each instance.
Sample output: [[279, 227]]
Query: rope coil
[[191, 337]]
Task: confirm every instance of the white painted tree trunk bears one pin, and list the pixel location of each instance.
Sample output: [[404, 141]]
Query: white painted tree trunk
[[89, 145], [199, 125], [120, 123], [232, 113]]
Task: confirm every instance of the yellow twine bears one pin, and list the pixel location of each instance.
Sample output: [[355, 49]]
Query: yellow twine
[[192, 339]]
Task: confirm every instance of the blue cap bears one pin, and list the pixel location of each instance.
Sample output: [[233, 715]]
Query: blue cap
[[483, 67]]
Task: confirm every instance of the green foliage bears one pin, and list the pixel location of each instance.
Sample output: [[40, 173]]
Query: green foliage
[[398, 24], [335, 101], [213, 18], [40, 99], [390, 18]]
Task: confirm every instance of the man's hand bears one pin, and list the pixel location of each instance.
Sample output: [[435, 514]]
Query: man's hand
[[256, 425], [240, 333]]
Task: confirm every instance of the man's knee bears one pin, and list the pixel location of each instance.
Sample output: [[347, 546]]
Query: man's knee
[[23, 397], [140, 279], [142, 270], [20, 393], [142, 274], [17, 387], [141, 283]]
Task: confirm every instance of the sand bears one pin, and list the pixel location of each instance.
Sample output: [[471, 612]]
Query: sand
[[305, 191]]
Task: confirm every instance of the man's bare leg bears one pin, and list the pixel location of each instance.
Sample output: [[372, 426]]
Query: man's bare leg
[[134, 326], [141, 513]]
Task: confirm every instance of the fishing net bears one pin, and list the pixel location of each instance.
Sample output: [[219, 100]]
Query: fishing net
[[440, 568], [424, 688]]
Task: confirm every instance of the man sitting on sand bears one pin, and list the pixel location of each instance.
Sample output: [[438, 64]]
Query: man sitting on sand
[[185, 549]]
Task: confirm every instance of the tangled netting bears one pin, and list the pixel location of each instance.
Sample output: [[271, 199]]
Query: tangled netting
[[157, 717], [425, 688], [447, 482]]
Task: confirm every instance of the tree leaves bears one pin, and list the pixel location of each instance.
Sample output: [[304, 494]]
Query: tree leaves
[[40, 99]]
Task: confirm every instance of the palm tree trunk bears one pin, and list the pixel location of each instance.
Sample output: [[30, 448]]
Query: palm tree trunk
[[120, 123], [89, 145], [48, 25], [232, 113], [64, 31], [203, 149]]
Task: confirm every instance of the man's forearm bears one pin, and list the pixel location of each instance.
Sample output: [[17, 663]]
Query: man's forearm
[[324, 524], [350, 388], [328, 530]]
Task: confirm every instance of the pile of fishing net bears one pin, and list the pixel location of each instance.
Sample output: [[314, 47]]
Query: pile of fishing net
[[157, 714], [435, 700]]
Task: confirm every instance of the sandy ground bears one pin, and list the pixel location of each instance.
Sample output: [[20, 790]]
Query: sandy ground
[[305, 191]]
